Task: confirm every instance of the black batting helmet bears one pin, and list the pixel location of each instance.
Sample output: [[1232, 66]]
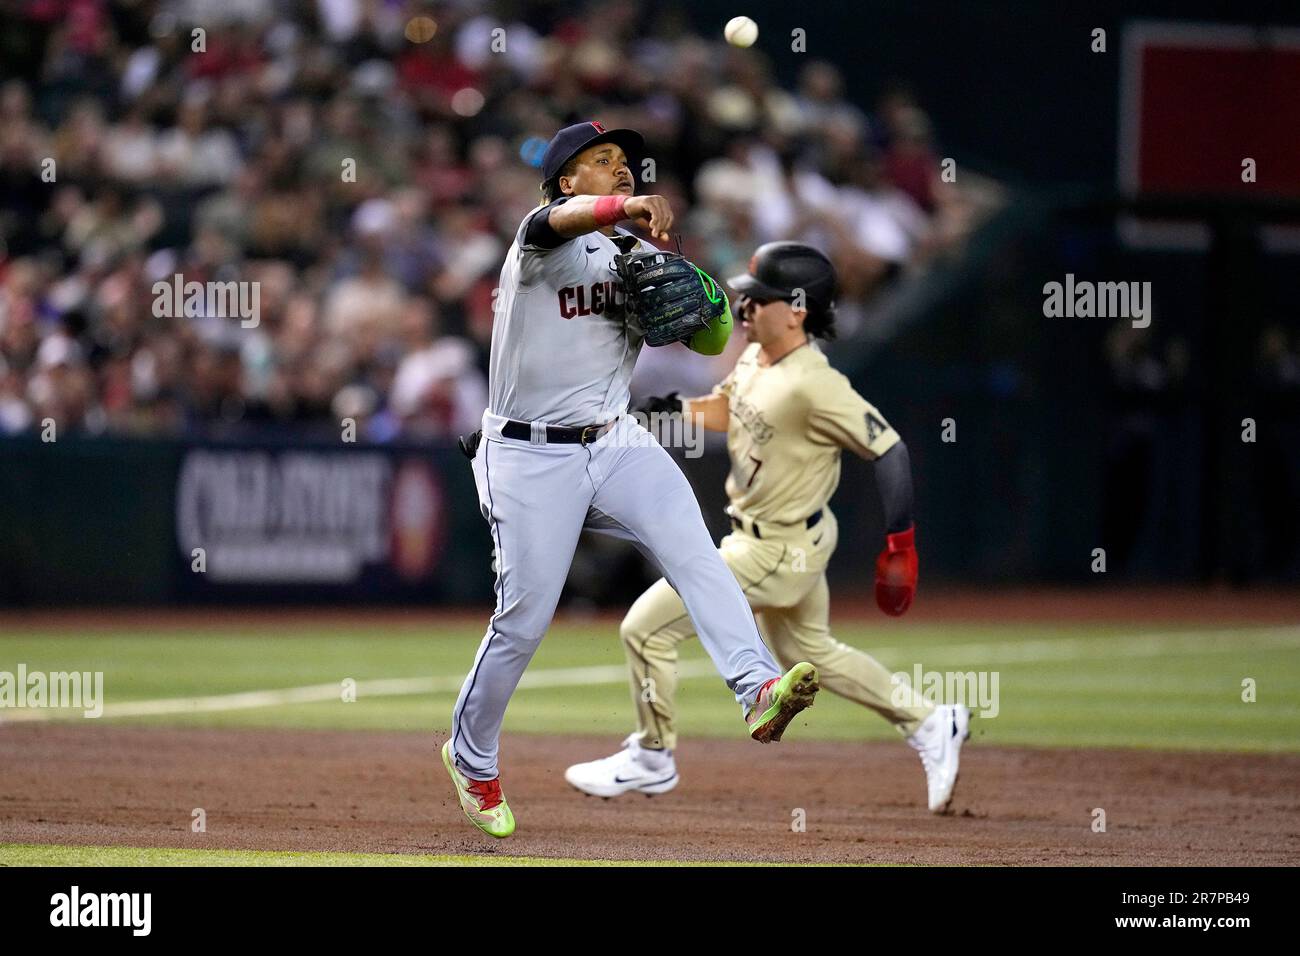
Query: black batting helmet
[[779, 270]]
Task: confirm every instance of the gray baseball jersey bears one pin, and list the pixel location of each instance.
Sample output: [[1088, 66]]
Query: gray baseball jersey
[[562, 349], [563, 352]]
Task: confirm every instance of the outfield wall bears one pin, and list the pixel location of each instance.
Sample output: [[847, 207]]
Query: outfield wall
[[106, 521], [97, 521]]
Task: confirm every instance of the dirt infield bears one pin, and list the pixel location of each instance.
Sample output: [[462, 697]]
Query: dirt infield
[[387, 792]]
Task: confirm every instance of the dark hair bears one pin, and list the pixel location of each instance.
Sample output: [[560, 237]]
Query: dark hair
[[820, 321], [551, 188]]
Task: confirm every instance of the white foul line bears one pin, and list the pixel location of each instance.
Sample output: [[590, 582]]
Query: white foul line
[[1006, 652]]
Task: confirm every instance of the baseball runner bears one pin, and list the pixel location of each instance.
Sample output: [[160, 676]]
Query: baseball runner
[[557, 452], [787, 414]]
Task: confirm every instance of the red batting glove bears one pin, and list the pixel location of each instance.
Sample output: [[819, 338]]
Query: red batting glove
[[896, 572]]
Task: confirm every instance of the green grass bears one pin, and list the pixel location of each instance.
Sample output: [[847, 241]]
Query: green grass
[[19, 854], [1080, 686]]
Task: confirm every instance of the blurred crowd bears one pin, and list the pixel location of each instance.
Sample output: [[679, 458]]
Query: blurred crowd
[[369, 178]]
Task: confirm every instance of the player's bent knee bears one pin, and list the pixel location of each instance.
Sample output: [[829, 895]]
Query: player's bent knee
[[646, 639], [632, 632]]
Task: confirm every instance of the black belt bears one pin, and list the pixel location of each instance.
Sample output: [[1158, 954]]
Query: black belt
[[813, 518], [557, 434]]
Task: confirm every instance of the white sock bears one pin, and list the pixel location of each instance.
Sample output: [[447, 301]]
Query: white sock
[[656, 759]]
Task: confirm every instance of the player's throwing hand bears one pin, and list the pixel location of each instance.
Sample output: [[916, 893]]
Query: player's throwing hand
[[654, 211]]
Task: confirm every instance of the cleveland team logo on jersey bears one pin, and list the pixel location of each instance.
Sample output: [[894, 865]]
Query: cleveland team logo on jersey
[[599, 298]]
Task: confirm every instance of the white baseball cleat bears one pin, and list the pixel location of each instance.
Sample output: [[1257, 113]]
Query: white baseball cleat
[[939, 741], [632, 768]]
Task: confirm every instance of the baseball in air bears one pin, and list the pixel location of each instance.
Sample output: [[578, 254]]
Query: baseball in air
[[741, 31]]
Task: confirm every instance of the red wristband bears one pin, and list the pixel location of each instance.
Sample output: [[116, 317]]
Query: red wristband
[[609, 210], [901, 540]]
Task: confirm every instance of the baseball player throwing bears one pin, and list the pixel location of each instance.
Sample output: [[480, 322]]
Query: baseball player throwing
[[557, 451], [787, 415]]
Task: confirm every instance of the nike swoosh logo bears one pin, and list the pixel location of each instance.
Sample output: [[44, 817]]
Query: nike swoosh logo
[[954, 726], [817, 540], [593, 248], [618, 779]]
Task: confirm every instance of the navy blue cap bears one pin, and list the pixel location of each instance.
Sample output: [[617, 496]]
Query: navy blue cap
[[572, 140]]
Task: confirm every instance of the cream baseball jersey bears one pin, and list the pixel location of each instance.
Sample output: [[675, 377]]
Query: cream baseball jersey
[[562, 350], [789, 422]]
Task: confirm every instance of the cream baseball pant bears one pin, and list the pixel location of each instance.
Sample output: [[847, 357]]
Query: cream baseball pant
[[537, 497], [783, 576]]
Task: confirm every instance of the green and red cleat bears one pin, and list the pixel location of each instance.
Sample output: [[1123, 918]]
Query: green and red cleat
[[481, 800], [779, 700]]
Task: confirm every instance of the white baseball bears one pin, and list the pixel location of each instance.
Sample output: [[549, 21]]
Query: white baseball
[[741, 31]]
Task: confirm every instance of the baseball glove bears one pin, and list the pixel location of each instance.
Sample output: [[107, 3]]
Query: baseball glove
[[667, 296]]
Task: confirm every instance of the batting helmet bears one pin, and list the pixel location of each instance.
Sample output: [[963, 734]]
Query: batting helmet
[[779, 270]]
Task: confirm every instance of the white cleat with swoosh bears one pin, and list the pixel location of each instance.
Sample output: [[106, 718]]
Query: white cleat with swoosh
[[632, 768], [939, 741]]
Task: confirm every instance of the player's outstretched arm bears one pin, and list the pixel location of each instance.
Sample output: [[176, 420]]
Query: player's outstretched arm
[[584, 214], [896, 565], [713, 410], [894, 481]]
